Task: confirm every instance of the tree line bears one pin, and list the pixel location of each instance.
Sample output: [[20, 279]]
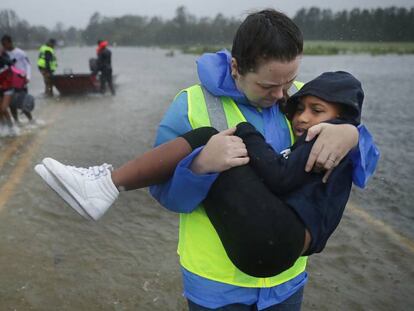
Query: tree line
[[28, 36], [381, 24], [389, 24]]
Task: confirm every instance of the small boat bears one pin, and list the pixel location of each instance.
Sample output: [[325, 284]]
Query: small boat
[[70, 83], [76, 83]]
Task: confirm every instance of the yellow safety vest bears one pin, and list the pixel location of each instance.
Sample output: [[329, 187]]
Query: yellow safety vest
[[200, 249], [41, 62]]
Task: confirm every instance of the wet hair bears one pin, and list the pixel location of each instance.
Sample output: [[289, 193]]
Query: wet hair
[[266, 35], [6, 38], [51, 41], [5, 60]]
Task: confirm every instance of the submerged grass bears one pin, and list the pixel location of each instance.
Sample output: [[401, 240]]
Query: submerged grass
[[201, 49], [351, 47], [326, 48]]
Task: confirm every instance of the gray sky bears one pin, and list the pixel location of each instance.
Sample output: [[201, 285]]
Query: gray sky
[[77, 12]]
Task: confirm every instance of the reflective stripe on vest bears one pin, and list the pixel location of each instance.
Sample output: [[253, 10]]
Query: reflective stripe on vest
[[200, 249], [296, 86], [41, 62]]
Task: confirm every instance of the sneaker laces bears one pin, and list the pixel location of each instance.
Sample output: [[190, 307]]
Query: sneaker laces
[[93, 172]]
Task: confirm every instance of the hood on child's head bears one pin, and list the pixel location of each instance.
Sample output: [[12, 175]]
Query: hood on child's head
[[337, 87]]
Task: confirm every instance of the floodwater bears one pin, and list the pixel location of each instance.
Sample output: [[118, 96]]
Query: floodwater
[[52, 259]]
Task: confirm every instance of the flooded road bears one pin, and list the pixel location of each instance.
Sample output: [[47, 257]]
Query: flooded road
[[52, 259]]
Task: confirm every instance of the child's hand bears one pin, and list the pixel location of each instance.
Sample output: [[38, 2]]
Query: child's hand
[[223, 151]]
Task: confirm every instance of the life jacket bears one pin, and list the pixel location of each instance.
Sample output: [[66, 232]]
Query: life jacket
[[41, 62], [12, 78], [200, 249]]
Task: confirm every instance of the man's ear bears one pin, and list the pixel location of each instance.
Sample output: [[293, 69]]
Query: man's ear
[[234, 68]]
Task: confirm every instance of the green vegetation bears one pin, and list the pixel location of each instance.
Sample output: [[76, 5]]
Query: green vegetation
[[326, 48], [390, 24], [348, 47], [201, 49]]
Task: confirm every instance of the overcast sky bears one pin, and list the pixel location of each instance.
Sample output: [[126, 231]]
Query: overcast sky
[[77, 12]]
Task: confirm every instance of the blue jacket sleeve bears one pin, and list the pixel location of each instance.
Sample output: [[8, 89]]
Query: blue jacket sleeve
[[364, 158], [185, 190]]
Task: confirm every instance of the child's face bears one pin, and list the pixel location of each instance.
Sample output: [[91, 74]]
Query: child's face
[[310, 111]]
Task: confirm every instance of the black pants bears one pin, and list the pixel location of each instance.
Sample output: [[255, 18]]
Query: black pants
[[106, 77], [48, 80], [261, 234], [17, 103]]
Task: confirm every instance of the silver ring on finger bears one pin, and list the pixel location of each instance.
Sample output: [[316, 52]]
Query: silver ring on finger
[[333, 160]]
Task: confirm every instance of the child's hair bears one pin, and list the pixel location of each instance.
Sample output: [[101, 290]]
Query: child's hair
[[338, 87], [5, 60], [6, 38]]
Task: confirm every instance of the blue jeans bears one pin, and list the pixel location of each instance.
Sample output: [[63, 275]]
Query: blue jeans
[[293, 303]]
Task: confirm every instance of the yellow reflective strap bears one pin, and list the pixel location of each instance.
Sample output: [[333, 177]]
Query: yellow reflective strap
[[197, 110], [233, 114]]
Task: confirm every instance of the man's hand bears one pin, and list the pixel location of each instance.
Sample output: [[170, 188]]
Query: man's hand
[[332, 145], [223, 151]]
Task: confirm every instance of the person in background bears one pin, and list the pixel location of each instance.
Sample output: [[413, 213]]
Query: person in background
[[11, 79], [47, 64], [105, 66], [21, 100], [17, 56]]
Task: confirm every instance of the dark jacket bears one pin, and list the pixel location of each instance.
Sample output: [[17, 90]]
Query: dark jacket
[[320, 206], [104, 60]]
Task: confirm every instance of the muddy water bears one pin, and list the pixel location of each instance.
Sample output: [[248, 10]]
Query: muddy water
[[51, 259]]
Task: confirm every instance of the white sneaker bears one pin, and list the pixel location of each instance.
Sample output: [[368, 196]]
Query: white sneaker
[[57, 186], [4, 130], [35, 123], [91, 187], [13, 131]]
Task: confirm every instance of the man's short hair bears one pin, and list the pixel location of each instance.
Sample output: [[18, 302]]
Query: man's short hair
[[6, 38], [266, 35]]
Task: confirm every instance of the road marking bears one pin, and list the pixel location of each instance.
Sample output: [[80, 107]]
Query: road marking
[[12, 148], [21, 166], [381, 226], [24, 162]]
